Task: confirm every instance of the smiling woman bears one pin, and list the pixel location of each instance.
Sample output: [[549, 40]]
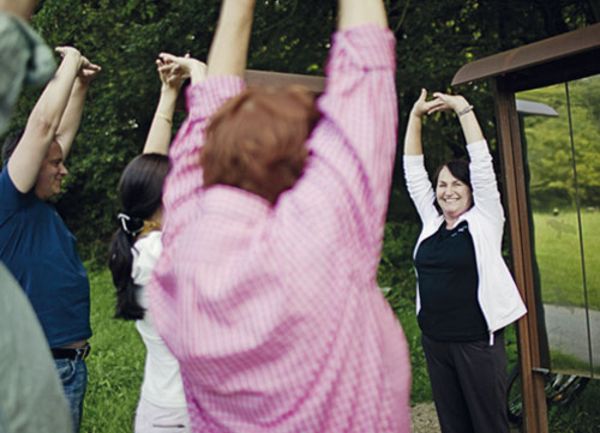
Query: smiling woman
[[466, 295], [453, 190]]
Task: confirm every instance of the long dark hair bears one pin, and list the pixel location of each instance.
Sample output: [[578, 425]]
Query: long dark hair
[[140, 192]]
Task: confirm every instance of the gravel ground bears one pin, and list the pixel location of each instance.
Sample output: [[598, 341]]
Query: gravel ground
[[424, 419]]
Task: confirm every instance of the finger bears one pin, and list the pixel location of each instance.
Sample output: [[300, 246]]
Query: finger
[[434, 107], [441, 95], [167, 58], [93, 66], [433, 103]]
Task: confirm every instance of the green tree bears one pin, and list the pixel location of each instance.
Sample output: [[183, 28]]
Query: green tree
[[435, 39]]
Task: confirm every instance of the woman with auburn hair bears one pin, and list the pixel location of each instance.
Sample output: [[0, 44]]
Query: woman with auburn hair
[[274, 211], [465, 294], [134, 250]]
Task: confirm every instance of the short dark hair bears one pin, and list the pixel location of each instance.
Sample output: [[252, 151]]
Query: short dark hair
[[459, 168], [10, 144]]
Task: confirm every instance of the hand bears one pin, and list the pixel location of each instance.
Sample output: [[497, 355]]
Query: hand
[[445, 102], [88, 71], [171, 75], [66, 52], [188, 65], [422, 106]]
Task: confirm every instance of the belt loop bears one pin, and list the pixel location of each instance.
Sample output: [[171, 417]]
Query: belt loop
[[84, 351]]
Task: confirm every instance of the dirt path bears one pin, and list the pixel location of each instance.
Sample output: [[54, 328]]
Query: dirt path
[[424, 419]]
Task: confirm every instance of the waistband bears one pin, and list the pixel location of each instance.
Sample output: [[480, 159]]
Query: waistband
[[73, 354]]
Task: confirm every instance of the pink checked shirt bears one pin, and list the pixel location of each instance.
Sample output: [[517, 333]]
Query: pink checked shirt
[[273, 311]]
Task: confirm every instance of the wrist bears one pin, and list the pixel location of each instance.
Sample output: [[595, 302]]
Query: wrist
[[168, 90], [80, 86], [464, 110], [197, 75], [416, 115]]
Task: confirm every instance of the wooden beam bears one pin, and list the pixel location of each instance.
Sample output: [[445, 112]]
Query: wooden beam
[[510, 146], [278, 79]]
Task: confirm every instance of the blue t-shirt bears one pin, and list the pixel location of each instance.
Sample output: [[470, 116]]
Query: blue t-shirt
[[39, 250]]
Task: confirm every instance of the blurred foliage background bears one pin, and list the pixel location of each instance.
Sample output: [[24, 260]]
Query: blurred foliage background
[[435, 38]]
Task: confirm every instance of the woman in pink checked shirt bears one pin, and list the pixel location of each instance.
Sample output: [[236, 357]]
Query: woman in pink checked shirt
[[274, 209]]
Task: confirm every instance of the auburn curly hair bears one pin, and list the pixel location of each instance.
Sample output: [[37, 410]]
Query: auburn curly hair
[[256, 141]]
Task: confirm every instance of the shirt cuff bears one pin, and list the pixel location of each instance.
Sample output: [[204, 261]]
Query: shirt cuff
[[478, 148], [413, 161], [205, 98], [365, 47]]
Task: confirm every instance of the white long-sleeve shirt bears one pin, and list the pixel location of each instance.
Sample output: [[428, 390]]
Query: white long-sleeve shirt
[[498, 295]]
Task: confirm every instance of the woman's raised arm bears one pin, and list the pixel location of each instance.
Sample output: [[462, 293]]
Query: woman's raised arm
[[354, 13], [229, 50], [159, 136]]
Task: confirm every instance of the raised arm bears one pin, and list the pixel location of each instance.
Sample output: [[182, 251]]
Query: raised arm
[[43, 122], [417, 180], [229, 50], [71, 119], [412, 139], [360, 107], [464, 111], [159, 136], [355, 13]]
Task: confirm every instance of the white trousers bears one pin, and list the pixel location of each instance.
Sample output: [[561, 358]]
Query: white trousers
[[150, 418]]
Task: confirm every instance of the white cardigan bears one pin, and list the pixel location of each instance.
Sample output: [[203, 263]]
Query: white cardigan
[[497, 292]]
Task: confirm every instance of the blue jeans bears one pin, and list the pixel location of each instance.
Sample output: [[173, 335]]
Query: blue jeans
[[73, 375]]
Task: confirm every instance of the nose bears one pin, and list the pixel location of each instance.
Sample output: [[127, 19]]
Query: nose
[[63, 170]]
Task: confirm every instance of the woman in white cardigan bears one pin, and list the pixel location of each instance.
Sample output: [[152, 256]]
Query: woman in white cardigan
[[465, 293]]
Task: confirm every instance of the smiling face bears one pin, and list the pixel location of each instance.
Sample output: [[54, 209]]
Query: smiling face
[[453, 196], [51, 173]]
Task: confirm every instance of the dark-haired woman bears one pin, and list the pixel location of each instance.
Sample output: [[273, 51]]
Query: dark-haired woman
[[135, 249], [465, 295]]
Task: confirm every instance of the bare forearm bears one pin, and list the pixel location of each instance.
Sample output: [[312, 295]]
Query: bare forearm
[[470, 127], [412, 140], [50, 108], [42, 125], [229, 50], [159, 136], [71, 119], [355, 13]]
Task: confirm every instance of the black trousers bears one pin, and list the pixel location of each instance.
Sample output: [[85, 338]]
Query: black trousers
[[469, 382]]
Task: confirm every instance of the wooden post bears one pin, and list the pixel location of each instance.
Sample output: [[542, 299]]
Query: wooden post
[[509, 141]]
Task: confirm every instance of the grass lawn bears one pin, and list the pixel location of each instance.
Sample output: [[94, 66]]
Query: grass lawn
[[559, 258], [116, 367]]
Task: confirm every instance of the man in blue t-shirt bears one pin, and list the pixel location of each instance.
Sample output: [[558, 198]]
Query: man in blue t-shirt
[[35, 244]]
